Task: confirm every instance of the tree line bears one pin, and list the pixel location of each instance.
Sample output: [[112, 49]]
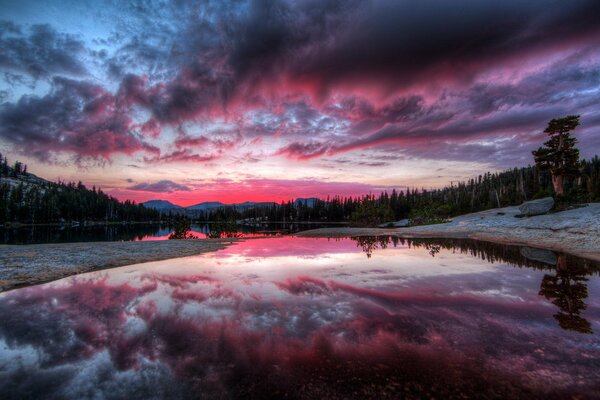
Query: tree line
[[58, 202], [27, 199]]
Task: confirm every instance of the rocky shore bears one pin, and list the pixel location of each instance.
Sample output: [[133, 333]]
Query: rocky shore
[[574, 231], [39, 263]]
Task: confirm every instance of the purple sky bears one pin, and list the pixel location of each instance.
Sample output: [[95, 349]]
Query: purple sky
[[267, 100]]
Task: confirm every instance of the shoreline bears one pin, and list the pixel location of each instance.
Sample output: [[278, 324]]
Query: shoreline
[[26, 265], [86, 224], [575, 232]]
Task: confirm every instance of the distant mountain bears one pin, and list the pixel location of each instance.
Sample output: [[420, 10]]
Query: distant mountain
[[162, 205], [206, 206], [310, 202], [194, 210]]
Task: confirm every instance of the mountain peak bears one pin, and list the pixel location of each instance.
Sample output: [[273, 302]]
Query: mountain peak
[[161, 205]]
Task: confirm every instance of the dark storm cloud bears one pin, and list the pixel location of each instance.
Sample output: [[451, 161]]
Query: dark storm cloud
[[76, 117], [41, 51], [489, 112], [328, 43], [164, 186], [556, 84], [403, 41], [331, 42], [328, 76]]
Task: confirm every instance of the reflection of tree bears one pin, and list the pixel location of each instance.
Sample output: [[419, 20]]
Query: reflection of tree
[[567, 291], [434, 249], [488, 251], [182, 229], [371, 243], [224, 229], [565, 288]]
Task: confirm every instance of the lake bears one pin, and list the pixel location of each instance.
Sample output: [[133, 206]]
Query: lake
[[306, 318], [132, 232]]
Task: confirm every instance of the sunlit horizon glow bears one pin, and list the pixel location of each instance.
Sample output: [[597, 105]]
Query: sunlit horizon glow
[[274, 100]]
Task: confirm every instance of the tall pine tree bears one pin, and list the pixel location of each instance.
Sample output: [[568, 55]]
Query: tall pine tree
[[559, 154]]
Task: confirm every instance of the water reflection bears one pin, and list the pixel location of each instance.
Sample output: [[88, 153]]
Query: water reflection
[[64, 234], [308, 318], [565, 288], [142, 231]]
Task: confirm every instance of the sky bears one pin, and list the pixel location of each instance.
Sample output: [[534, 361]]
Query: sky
[[271, 100]]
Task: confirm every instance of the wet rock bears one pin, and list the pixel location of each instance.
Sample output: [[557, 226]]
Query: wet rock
[[398, 224], [541, 255], [537, 207]]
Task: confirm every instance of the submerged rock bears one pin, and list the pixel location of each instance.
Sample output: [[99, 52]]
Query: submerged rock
[[537, 207], [541, 255], [398, 224]]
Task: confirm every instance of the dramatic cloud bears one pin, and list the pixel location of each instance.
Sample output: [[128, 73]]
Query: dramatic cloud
[[401, 43], [75, 117], [229, 84], [304, 151], [164, 186], [40, 52]]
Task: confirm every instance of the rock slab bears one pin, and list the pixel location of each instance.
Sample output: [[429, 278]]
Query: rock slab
[[22, 265], [398, 224], [537, 207]]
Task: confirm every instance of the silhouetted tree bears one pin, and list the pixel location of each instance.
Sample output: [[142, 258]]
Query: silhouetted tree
[[372, 243], [559, 155]]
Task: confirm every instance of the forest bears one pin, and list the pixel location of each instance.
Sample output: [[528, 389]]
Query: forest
[[489, 190], [25, 198]]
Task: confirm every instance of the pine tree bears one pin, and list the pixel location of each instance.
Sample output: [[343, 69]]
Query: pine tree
[[559, 154]]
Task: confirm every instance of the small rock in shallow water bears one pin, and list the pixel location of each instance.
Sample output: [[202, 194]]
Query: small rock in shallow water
[[537, 207], [541, 255]]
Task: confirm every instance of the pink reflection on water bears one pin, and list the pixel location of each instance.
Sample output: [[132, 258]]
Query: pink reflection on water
[[200, 235], [306, 318], [290, 246]]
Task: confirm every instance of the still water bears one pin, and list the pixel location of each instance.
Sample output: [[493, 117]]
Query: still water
[[312, 318], [134, 232]]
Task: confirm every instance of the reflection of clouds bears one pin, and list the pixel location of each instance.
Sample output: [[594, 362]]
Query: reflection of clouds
[[222, 328], [302, 285], [178, 281]]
